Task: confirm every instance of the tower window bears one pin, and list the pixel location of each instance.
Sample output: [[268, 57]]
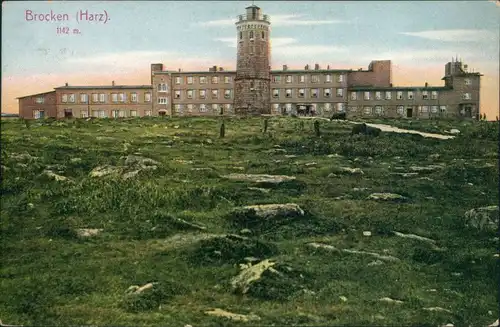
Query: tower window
[[263, 35], [251, 34], [241, 35]]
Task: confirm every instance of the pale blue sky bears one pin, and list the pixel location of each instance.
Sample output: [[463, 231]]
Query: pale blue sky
[[200, 34]]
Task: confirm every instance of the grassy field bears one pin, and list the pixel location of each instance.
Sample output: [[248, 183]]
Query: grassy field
[[156, 224]]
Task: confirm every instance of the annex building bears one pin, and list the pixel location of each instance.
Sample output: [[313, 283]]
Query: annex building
[[254, 89]]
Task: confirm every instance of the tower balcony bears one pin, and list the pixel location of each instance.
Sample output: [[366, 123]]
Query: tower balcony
[[253, 17]]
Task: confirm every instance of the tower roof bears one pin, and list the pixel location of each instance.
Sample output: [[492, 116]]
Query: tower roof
[[252, 6]]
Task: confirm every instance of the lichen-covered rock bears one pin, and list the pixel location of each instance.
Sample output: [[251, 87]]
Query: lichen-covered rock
[[50, 174], [353, 171], [232, 316], [270, 211], [387, 197], [105, 171], [426, 168], [260, 178], [241, 283], [484, 218], [88, 232], [133, 160], [389, 300]]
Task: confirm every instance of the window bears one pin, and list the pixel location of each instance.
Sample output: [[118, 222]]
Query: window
[[163, 100], [367, 96], [38, 114], [315, 78], [203, 80], [177, 94], [163, 87], [178, 108], [178, 80], [102, 97], [302, 79], [147, 97], [114, 97], [276, 79], [288, 107], [327, 93], [410, 95], [353, 108], [64, 98], [378, 110], [121, 97], [434, 95], [288, 93], [434, 109], [466, 96], [301, 93], [400, 110], [340, 92], [241, 35], [133, 113], [378, 95], [190, 107], [133, 97], [215, 94], [147, 113], [251, 35], [340, 107], [425, 95], [442, 109], [227, 79], [203, 108], [103, 114], [340, 78], [95, 113], [399, 95], [215, 107], [39, 100], [314, 93], [367, 110], [328, 107], [467, 81], [71, 98], [289, 78], [276, 93], [353, 96], [227, 94], [276, 107], [83, 98], [263, 35], [122, 113], [388, 95], [189, 80], [203, 94], [228, 107], [95, 97], [215, 80], [425, 109], [84, 114], [328, 78], [189, 94], [114, 113]]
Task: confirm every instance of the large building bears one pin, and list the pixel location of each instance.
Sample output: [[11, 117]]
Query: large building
[[255, 89]]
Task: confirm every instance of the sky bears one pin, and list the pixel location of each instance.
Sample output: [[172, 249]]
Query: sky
[[120, 39]]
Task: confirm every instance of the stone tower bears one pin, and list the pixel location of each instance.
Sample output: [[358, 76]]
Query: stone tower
[[252, 82]]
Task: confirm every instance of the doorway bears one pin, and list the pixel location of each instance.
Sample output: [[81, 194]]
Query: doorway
[[68, 113], [409, 112]]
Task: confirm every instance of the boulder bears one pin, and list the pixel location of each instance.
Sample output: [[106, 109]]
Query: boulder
[[50, 174], [105, 171], [232, 316], [426, 168], [437, 309], [88, 232], [259, 178], [387, 197], [270, 211], [454, 131], [415, 237], [241, 283], [353, 171], [484, 218], [142, 162], [389, 300], [139, 289]]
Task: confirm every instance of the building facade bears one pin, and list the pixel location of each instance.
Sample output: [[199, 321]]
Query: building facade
[[254, 89]]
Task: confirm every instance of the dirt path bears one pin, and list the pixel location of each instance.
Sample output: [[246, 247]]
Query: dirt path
[[389, 128]]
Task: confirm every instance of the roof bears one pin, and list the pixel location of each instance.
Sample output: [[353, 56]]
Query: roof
[[310, 71], [195, 72], [395, 88], [118, 87], [32, 95]]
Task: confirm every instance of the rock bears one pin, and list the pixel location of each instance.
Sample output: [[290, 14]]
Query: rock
[[456, 274], [209, 141], [331, 248], [360, 189], [343, 298], [105, 171], [130, 174], [437, 309], [379, 316], [375, 263], [290, 156], [140, 289], [343, 197], [434, 156], [201, 169], [405, 174], [415, 237], [483, 218], [263, 190], [426, 179], [144, 163], [75, 160], [52, 175], [387, 197], [88, 232], [331, 175], [448, 325], [232, 316], [353, 171], [389, 300], [184, 239], [426, 168], [454, 131], [367, 233], [30, 205], [245, 231], [186, 162], [260, 178], [176, 126], [495, 324], [269, 211], [322, 246], [309, 164], [241, 283], [334, 155]]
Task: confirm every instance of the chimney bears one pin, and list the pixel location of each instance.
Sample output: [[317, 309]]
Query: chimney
[[112, 83], [285, 67], [66, 84], [306, 67], [316, 67], [426, 84]]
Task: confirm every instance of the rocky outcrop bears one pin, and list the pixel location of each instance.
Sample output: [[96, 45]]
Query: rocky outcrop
[[232, 316], [241, 283], [260, 178], [484, 218], [387, 197], [270, 211]]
